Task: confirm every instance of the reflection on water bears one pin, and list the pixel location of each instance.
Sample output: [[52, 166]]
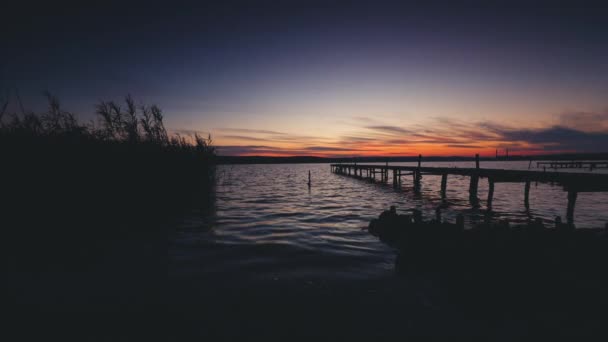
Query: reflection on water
[[268, 223]]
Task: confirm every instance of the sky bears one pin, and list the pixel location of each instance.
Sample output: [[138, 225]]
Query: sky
[[328, 78]]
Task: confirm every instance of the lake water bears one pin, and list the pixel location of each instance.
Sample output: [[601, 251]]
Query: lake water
[[268, 224]]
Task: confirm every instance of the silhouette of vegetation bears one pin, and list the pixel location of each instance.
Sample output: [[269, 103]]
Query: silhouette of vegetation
[[70, 190]]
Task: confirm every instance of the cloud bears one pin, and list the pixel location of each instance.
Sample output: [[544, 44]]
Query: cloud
[[354, 139], [558, 138], [189, 132], [464, 146], [244, 137], [390, 129], [235, 150], [576, 132], [585, 121], [334, 149], [253, 131]]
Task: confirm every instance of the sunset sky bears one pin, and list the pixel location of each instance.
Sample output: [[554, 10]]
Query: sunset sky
[[348, 79]]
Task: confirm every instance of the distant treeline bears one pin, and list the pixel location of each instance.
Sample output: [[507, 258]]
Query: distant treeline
[[68, 188], [310, 159]]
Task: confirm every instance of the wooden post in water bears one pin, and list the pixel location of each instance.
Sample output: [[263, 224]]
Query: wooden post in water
[[417, 176], [309, 183], [474, 184], [386, 173], [490, 192], [571, 202], [527, 195], [473, 189], [444, 185], [395, 177]]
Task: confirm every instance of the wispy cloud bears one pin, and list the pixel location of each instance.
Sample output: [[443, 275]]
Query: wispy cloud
[[464, 146], [246, 130], [577, 131], [189, 131], [390, 129], [244, 137], [585, 121]]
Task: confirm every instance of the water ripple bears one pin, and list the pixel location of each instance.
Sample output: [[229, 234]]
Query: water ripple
[[268, 222]]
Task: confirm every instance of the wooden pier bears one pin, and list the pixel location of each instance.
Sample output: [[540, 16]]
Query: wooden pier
[[598, 164], [572, 183]]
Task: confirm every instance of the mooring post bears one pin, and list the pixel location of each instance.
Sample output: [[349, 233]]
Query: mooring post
[[477, 161], [444, 185], [527, 195], [571, 202], [490, 192], [419, 160], [309, 183]]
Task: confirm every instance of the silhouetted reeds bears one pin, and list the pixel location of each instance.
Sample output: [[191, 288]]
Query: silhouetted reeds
[[68, 188]]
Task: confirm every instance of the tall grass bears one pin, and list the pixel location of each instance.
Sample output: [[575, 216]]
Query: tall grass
[[68, 188]]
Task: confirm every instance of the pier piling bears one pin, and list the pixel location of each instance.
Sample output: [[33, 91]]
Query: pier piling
[[490, 192], [527, 195], [473, 185], [395, 178], [444, 184], [571, 202]]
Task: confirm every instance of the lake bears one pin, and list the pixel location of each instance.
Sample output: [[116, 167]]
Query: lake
[[267, 224]]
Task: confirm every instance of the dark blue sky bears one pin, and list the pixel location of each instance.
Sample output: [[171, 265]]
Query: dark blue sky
[[315, 71]]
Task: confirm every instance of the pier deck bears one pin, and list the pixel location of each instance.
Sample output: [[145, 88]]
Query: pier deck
[[572, 183]]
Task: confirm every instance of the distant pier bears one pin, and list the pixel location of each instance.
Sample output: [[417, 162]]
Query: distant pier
[[573, 164], [572, 183]]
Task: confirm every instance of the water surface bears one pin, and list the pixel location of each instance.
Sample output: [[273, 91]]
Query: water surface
[[268, 224]]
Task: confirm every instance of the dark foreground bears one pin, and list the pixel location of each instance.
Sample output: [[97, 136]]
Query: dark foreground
[[127, 296], [419, 305], [492, 282]]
